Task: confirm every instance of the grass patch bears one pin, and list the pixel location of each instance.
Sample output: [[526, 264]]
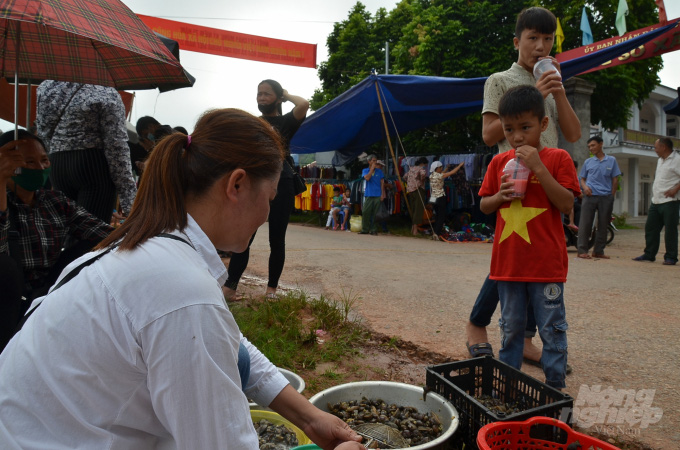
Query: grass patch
[[290, 331]]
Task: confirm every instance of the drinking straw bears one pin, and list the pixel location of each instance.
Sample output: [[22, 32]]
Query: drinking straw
[[514, 175]]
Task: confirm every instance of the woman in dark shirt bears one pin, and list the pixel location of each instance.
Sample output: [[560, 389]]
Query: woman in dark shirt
[[270, 96]]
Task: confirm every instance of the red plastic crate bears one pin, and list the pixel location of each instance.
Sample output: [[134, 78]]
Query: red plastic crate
[[524, 436]]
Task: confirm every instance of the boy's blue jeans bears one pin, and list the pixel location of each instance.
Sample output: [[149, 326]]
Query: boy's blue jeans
[[486, 304], [547, 301]]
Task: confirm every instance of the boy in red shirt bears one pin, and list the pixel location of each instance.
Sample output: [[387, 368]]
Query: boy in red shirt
[[529, 258]]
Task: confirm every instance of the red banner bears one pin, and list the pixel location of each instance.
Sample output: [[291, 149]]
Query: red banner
[[235, 45], [667, 42]]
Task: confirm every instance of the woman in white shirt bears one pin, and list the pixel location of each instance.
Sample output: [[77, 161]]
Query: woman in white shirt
[[139, 350]]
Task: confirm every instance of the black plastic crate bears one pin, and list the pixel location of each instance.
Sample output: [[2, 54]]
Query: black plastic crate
[[461, 381]]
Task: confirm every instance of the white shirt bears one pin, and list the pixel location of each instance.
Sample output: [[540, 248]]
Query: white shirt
[[667, 176], [138, 351]]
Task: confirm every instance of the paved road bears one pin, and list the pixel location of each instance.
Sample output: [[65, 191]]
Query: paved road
[[623, 315]]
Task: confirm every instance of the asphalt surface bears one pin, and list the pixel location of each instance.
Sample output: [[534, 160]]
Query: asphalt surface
[[623, 315]]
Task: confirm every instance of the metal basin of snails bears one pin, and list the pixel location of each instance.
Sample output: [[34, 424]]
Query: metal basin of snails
[[432, 407], [294, 379]]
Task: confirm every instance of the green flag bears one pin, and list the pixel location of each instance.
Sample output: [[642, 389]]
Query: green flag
[[621, 14]]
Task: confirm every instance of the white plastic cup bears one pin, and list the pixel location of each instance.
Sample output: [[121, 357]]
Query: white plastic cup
[[545, 65], [519, 175]]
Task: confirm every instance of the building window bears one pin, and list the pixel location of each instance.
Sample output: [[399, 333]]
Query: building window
[[672, 132], [643, 128]]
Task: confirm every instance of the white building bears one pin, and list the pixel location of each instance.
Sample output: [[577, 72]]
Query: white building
[[633, 148]]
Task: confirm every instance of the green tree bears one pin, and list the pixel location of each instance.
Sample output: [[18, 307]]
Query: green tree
[[355, 47], [467, 39], [621, 86]]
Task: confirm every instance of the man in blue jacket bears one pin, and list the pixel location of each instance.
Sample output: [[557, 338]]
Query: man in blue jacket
[[374, 193]]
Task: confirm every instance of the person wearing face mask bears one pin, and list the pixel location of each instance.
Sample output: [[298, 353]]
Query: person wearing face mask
[[34, 224], [138, 350], [270, 96], [139, 151]]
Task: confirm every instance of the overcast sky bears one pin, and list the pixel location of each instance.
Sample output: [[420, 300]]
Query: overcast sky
[[230, 82]]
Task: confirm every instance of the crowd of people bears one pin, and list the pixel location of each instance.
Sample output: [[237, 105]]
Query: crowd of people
[[135, 321], [110, 329]]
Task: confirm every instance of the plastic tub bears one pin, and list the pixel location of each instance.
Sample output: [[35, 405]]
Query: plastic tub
[[276, 419], [526, 436], [403, 395]]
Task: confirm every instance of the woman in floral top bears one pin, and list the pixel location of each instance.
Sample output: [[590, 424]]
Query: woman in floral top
[[415, 190], [83, 126], [437, 176]]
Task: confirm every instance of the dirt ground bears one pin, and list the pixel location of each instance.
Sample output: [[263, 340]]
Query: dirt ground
[[622, 317]]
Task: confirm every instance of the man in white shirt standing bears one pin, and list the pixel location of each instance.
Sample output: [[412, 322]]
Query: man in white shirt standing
[[665, 205]]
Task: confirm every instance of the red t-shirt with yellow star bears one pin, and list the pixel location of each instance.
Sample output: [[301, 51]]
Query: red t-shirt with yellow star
[[529, 243]]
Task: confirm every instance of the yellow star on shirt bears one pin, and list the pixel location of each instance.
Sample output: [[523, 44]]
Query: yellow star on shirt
[[516, 218]]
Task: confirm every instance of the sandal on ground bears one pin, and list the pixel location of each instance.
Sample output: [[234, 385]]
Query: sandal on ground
[[600, 256], [481, 349], [584, 256], [270, 296], [538, 364], [232, 296]]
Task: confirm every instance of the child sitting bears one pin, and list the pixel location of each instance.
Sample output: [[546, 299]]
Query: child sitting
[[346, 206], [529, 259], [336, 205]]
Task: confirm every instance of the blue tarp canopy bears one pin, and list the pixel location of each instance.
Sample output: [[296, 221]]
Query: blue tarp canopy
[[674, 106], [353, 121]]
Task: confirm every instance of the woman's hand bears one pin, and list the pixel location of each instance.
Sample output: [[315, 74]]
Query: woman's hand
[[11, 158], [330, 432], [326, 430]]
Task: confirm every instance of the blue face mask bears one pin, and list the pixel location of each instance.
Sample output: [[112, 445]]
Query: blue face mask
[[151, 137], [32, 179]]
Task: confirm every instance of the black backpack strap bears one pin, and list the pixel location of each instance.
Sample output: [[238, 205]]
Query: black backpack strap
[[72, 274], [177, 238]]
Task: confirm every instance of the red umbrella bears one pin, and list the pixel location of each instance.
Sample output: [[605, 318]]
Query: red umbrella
[[86, 41]]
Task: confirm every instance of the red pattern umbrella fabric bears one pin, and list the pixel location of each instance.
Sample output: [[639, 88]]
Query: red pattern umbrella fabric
[[86, 41]]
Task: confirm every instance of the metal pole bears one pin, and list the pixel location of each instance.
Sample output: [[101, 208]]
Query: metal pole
[[387, 71], [16, 80], [28, 105]]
